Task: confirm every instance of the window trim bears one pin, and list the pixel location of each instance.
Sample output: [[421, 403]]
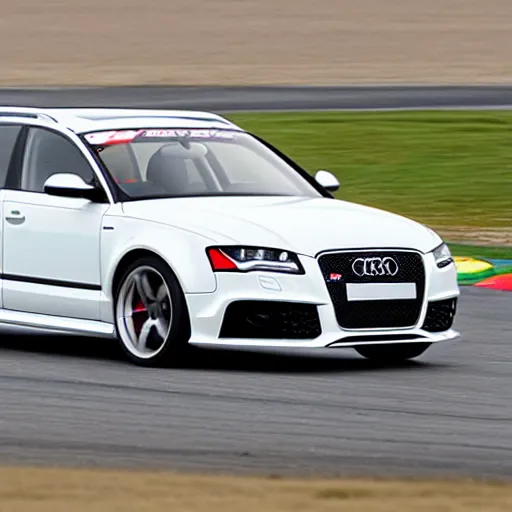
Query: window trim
[[115, 191]]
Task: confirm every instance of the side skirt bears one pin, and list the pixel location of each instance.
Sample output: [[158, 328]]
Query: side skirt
[[56, 323]]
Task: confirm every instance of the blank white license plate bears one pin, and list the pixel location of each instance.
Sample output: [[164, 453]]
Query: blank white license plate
[[381, 291]]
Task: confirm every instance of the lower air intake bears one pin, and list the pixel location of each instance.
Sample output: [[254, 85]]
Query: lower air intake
[[270, 320], [440, 315]]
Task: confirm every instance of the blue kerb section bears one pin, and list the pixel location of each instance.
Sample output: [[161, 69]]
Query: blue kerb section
[[499, 263]]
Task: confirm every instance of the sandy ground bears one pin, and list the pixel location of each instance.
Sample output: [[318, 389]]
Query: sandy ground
[[255, 41], [46, 490], [501, 237]]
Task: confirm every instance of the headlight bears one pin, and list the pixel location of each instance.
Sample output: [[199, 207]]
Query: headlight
[[442, 256], [246, 259]]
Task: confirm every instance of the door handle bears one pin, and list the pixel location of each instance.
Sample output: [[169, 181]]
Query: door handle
[[15, 217]]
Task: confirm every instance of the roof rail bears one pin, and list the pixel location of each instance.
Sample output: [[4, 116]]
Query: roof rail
[[100, 112], [32, 112]]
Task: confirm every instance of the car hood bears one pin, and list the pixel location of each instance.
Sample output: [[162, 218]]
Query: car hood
[[304, 225]]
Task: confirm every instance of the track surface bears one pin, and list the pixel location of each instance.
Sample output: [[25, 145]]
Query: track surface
[[76, 403], [266, 98]]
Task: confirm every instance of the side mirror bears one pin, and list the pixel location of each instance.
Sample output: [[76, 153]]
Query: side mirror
[[327, 180], [71, 185]]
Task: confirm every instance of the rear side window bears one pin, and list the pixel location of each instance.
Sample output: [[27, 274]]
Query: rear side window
[[8, 135]]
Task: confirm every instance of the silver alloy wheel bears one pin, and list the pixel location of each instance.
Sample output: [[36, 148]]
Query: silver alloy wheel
[[144, 312]]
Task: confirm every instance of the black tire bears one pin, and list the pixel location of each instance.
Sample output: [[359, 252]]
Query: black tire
[[393, 353], [175, 345]]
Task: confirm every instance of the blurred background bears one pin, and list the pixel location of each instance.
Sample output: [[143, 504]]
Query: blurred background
[[249, 42]]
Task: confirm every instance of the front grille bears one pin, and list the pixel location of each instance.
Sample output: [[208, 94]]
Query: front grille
[[337, 271], [270, 320], [440, 315]]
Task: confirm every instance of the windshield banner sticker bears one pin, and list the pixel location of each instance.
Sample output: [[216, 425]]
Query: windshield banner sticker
[[197, 133], [112, 137], [127, 136]]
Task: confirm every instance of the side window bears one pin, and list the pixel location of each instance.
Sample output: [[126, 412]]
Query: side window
[[8, 135], [49, 153]]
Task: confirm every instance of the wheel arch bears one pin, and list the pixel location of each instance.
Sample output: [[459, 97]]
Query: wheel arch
[[185, 325], [133, 255], [128, 258]]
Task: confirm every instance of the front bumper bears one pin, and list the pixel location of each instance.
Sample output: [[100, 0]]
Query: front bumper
[[208, 311]]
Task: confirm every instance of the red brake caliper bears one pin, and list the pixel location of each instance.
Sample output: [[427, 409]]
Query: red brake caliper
[[139, 316]]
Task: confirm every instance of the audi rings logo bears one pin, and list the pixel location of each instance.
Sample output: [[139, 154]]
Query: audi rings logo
[[375, 267]]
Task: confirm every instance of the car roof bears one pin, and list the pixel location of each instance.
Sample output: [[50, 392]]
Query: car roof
[[82, 120]]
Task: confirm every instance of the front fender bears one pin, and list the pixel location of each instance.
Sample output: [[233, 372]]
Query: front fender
[[183, 251]]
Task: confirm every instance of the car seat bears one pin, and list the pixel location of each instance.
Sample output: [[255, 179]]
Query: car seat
[[169, 171]]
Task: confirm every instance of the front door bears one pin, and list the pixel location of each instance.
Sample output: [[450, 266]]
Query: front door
[[51, 244]]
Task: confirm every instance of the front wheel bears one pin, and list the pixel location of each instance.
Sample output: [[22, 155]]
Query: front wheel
[[151, 314], [393, 353]]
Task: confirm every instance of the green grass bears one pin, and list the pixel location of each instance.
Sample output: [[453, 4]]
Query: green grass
[[484, 253], [472, 251], [440, 168]]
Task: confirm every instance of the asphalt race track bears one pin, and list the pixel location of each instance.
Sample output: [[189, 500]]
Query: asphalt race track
[[75, 401], [265, 98]]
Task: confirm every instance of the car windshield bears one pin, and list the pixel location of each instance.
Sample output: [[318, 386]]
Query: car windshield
[[150, 163]]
